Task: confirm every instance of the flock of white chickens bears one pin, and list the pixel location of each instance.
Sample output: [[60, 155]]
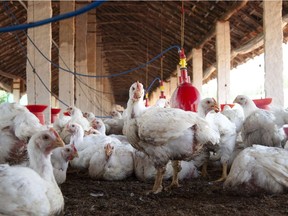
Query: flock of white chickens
[[156, 142]]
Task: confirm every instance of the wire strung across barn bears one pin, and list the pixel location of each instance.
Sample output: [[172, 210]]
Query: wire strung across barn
[[79, 74]]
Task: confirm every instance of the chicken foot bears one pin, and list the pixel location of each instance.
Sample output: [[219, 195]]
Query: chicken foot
[[204, 172], [157, 187], [176, 169], [224, 173]]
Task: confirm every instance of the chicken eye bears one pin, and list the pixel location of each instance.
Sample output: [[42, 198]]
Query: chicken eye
[[68, 150], [133, 88], [73, 125], [45, 137]]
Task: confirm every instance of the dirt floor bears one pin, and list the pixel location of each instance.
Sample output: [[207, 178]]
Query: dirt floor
[[84, 196]]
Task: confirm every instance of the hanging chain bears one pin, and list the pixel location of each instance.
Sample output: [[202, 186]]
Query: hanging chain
[[182, 24], [147, 58], [34, 70], [161, 44]]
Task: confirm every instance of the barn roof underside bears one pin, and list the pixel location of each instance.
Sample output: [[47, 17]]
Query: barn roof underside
[[134, 32]]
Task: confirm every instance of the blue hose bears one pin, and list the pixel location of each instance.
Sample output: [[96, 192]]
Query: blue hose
[[52, 19]]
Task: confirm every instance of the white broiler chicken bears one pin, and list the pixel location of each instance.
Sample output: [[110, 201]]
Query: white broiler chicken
[[77, 117], [145, 171], [86, 145], [259, 126], [99, 125], [113, 162], [60, 160], [60, 123], [77, 135], [259, 168], [235, 115], [17, 125], [91, 131], [162, 102], [89, 115], [224, 127], [165, 134], [115, 124], [32, 191]]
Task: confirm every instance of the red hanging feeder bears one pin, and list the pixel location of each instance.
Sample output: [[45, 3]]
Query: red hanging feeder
[[54, 114], [37, 110], [186, 96]]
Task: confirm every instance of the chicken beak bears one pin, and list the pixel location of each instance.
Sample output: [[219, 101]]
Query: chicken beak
[[215, 106], [108, 151], [58, 142], [75, 155]]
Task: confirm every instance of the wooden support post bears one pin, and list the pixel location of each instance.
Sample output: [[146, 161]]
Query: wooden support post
[[99, 82], [16, 90], [197, 61], [66, 52], [81, 60], [223, 50], [273, 56], [91, 61], [42, 38]]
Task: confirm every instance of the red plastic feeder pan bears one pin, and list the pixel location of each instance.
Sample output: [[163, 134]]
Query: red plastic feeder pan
[[54, 114], [223, 105], [37, 110], [263, 103]]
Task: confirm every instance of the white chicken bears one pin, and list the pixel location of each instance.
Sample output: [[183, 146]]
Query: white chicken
[[259, 125], [60, 123], [165, 134], [77, 135], [86, 145], [99, 125], [60, 160], [17, 125], [162, 102], [226, 130], [113, 162], [32, 191], [89, 115], [235, 115], [77, 117], [115, 124], [259, 168]]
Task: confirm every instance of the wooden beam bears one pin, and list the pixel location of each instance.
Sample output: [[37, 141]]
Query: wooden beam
[[5, 87], [10, 76], [246, 48]]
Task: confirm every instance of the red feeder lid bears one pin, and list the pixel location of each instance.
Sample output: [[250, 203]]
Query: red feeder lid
[[36, 107], [55, 111], [263, 103]]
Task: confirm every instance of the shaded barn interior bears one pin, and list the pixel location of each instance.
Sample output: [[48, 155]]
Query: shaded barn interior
[[134, 32]]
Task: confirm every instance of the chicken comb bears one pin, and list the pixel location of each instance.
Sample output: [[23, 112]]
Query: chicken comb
[[138, 85]]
